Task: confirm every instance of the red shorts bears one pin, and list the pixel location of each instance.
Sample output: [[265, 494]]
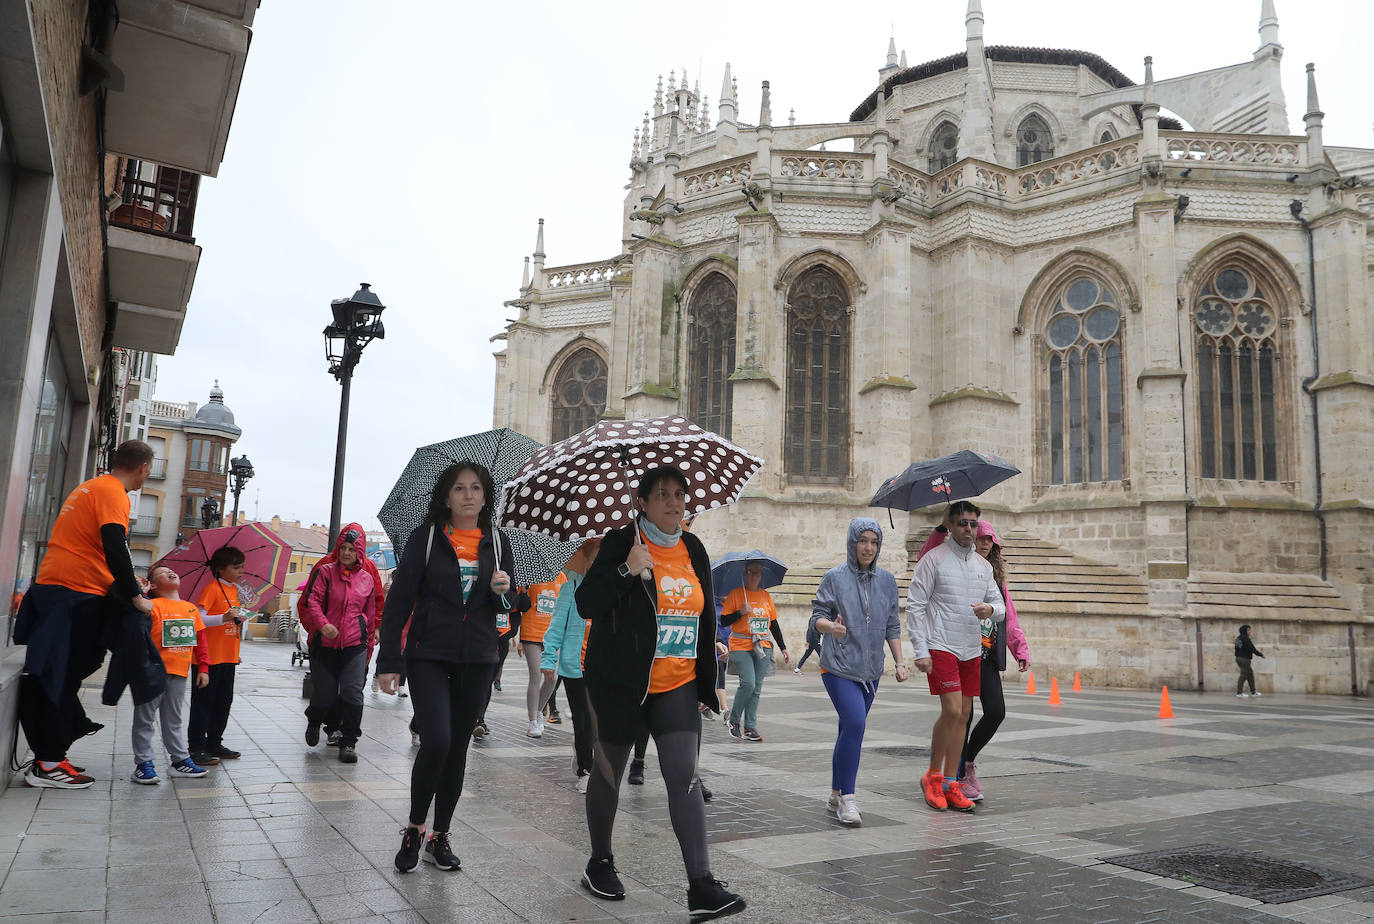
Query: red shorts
[[950, 675]]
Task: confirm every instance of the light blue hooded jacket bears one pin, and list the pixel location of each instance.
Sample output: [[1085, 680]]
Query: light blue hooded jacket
[[860, 654], [563, 638]]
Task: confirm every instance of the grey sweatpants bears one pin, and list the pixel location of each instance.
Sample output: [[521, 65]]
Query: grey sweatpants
[[170, 705]]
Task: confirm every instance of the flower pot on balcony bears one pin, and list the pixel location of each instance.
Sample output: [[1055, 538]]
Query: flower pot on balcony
[[128, 215]]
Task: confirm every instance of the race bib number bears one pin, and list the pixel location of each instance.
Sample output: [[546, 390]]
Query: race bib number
[[503, 621], [677, 637], [468, 569], [547, 599], [178, 633], [758, 625]]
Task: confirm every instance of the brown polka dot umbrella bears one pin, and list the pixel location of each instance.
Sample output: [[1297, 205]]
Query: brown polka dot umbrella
[[585, 485]]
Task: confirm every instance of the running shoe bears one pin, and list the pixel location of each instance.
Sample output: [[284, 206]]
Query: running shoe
[[496, 684], [188, 768], [204, 758], [709, 898], [63, 776], [402, 693], [145, 773], [439, 853], [536, 729], [408, 857], [224, 753], [479, 730], [1257, 693], [312, 734], [955, 798], [636, 773], [1243, 695], [833, 803], [706, 794], [600, 879], [848, 812], [752, 734], [735, 732], [334, 738], [582, 780], [796, 670], [347, 754], [553, 718], [969, 784], [932, 788]]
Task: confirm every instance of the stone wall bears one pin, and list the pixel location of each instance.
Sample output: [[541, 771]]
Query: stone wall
[[1247, 540]]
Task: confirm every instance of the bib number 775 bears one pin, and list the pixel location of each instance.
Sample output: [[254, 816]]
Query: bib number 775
[[677, 638]]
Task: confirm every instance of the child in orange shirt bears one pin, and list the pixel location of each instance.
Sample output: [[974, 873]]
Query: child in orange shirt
[[178, 634], [210, 703]]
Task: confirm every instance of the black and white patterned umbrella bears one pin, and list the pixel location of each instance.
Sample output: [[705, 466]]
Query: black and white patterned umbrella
[[585, 485], [502, 451], [538, 558]]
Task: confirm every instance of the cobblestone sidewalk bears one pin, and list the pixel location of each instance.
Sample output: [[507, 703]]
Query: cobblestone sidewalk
[[288, 834]]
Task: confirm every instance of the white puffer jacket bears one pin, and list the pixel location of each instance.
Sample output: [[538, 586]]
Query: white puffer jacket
[[948, 580]]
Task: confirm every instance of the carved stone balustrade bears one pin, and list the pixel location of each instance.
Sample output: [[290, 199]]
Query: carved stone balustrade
[[599, 273], [715, 177], [1239, 150]]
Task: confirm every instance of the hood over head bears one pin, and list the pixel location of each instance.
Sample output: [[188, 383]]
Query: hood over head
[[352, 533], [985, 529], [856, 526], [1245, 629]]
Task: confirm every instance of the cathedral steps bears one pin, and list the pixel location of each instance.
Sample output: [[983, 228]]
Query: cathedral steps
[[1265, 596], [1045, 578]]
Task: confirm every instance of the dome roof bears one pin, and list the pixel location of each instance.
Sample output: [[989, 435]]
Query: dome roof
[[216, 413]]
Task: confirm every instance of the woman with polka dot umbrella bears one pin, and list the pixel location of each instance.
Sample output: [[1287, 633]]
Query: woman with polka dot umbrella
[[584, 485]]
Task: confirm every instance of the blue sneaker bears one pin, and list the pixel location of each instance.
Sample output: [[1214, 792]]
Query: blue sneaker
[[188, 768], [145, 773]]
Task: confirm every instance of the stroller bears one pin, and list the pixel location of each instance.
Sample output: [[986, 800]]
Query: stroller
[[301, 653]]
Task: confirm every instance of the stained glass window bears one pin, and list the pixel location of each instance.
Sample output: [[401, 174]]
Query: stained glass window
[[711, 353], [579, 394], [944, 147], [817, 423], [1084, 425], [1034, 142]]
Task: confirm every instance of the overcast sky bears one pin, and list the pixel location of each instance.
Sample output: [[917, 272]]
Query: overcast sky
[[415, 145]]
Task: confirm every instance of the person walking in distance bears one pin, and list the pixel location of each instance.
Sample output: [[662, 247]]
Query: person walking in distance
[[856, 605], [751, 616], [341, 614], [997, 641], [84, 580], [1245, 651], [565, 647], [530, 645], [452, 589], [650, 660], [952, 591]]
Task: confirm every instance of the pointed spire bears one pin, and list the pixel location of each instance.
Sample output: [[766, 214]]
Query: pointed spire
[[902, 63], [1316, 154], [704, 115], [973, 20], [685, 84], [539, 247], [765, 107], [892, 51], [634, 149], [525, 276], [727, 87], [658, 97], [734, 89], [1268, 24], [1312, 104], [644, 137], [1149, 78], [792, 117], [729, 108], [672, 85]]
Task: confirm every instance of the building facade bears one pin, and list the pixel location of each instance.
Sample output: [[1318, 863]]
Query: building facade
[[108, 117], [1165, 322]]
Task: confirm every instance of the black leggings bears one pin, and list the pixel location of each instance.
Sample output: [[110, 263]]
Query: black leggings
[[448, 698], [210, 708], [994, 711], [672, 718]]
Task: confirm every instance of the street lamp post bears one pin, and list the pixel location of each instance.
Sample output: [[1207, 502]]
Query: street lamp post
[[209, 513], [357, 322], [240, 470]]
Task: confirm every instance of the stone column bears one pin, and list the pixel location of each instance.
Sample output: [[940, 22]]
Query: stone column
[[650, 314], [760, 348], [1157, 463], [882, 358]]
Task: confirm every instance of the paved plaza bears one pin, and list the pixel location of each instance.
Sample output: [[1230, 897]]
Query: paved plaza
[[288, 834]]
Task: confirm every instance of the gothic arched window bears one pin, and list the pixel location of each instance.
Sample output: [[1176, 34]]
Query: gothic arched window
[[944, 147], [579, 394], [1034, 142], [1239, 370], [711, 353], [1107, 135], [817, 423], [1083, 426]]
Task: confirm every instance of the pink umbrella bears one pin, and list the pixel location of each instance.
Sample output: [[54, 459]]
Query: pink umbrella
[[266, 556]]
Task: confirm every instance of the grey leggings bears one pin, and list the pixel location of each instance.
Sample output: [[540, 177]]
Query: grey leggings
[[672, 718], [534, 704]]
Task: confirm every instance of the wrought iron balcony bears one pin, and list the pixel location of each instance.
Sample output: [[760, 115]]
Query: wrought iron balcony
[[157, 199]]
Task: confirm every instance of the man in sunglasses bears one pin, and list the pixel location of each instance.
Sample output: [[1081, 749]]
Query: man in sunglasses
[[952, 589]]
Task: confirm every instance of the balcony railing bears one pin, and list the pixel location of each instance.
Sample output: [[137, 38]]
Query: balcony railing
[[159, 469], [146, 526], [216, 468], [158, 200]]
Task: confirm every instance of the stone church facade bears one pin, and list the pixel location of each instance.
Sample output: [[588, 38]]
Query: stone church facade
[[1167, 328]]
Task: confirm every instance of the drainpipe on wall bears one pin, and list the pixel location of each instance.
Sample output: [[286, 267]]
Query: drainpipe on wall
[[1354, 673], [1197, 623], [1296, 208]]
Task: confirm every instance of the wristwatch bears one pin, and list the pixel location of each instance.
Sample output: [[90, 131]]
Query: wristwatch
[[624, 569]]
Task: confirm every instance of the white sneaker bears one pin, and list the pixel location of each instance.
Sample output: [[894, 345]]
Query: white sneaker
[[582, 782], [796, 670], [1257, 693], [536, 729], [833, 803], [848, 812], [1243, 695]]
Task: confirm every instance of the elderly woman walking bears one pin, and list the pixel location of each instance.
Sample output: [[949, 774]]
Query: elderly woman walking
[[856, 605]]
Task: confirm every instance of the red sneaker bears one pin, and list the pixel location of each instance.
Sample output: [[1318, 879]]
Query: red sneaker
[[955, 798], [63, 776], [932, 787]]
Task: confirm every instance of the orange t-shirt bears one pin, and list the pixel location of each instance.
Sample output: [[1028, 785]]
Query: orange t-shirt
[[76, 558], [465, 543], [753, 626], [175, 624], [222, 641], [680, 602], [535, 621]]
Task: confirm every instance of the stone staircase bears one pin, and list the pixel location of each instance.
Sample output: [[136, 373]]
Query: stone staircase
[[1263, 596], [1044, 578]]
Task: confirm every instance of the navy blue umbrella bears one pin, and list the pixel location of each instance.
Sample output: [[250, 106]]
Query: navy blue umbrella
[[938, 481], [727, 572]]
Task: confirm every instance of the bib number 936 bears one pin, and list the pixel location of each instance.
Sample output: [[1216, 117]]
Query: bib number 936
[[178, 633]]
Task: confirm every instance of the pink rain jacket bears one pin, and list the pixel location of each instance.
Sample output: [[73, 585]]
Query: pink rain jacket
[[346, 599]]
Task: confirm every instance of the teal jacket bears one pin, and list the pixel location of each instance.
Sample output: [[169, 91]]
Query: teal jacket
[[563, 640]]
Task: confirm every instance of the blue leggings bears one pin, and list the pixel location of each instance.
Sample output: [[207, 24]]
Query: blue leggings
[[852, 701]]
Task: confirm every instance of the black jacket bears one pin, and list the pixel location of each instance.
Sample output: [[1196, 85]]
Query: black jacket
[[427, 593], [135, 661], [1245, 648], [623, 635]]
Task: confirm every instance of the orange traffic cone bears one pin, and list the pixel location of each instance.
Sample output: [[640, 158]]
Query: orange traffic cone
[[1077, 687], [1030, 684], [1054, 691], [1165, 710]]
